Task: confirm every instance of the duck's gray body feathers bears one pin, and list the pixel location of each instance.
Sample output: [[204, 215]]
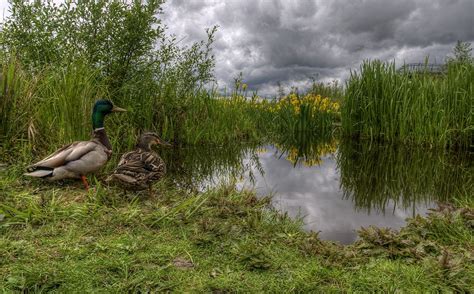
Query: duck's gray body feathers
[[71, 161]]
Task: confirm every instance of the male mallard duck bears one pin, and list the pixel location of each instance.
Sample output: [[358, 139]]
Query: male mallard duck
[[139, 168], [82, 157]]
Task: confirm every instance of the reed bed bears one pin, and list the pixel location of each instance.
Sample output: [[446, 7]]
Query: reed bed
[[44, 110], [382, 103]]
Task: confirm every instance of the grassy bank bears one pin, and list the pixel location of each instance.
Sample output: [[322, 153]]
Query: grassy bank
[[382, 103], [63, 239]]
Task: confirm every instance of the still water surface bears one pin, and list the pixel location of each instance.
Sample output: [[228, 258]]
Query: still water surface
[[335, 188], [315, 193]]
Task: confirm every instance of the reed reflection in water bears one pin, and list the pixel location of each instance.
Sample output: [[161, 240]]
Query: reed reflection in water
[[372, 175]]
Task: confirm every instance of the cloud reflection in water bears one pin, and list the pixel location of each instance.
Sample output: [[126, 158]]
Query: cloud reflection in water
[[315, 194]]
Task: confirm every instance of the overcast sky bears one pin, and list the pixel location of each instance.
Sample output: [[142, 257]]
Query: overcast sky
[[291, 41]]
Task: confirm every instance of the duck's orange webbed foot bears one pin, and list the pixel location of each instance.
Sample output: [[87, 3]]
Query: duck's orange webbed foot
[[84, 181]]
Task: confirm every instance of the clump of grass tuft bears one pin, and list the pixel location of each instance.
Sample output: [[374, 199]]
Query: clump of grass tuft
[[304, 115], [443, 242], [382, 103]]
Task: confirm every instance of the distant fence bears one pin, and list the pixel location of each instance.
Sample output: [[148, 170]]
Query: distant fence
[[429, 68]]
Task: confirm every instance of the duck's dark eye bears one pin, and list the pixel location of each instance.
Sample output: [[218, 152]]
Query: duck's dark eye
[[109, 107]]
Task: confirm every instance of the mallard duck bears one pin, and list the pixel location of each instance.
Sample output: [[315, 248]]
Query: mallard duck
[[139, 168], [80, 158]]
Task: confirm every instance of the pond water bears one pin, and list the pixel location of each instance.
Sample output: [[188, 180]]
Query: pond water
[[335, 188]]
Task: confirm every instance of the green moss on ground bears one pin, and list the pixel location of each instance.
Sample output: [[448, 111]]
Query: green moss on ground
[[63, 239]]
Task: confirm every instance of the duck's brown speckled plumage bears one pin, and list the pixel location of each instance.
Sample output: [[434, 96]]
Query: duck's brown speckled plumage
[[140, 168]]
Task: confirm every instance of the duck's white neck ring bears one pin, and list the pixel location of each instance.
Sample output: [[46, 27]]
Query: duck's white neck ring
[[98, 129]]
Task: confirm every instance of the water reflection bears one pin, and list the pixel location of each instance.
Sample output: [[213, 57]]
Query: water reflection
[[307, 152], [335, 189], [198, 168], [373, 175], [315, 194]]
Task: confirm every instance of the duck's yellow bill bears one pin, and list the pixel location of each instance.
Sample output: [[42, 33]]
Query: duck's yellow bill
[[118, 109]]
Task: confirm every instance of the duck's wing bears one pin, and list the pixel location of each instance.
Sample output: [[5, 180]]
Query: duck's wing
[[131, 161], [141, 164], [66, 154], [155, 165], [89, 162]]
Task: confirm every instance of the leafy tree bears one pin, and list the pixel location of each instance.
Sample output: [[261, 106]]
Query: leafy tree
[[110, 35], [124, 40]]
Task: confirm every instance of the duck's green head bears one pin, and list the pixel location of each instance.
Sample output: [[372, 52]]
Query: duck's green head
[[101, 109]]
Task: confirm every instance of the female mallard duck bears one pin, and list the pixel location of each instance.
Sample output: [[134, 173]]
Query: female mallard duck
[[139, 168], [82, 157]]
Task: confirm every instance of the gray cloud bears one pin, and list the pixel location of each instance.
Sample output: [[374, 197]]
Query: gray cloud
[[291, 41]]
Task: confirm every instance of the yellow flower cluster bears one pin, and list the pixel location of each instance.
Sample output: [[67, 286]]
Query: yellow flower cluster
[[316, 102]]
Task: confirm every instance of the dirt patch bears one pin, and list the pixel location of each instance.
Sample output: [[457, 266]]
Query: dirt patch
[[182, 263]]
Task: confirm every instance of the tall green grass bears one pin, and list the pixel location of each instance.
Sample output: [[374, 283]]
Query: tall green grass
[[45, 109], [384, 104], [42, 110]]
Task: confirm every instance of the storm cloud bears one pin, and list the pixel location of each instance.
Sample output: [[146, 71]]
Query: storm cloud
[[293, 41]]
